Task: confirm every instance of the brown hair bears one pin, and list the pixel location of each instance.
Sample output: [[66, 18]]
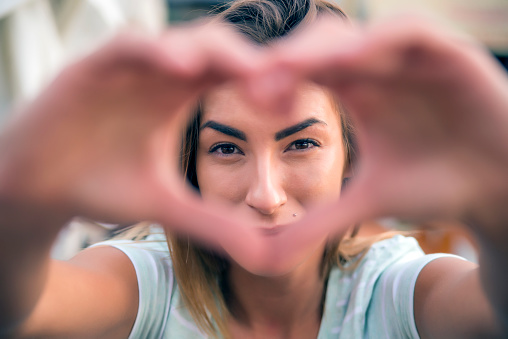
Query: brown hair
[[201, 274]]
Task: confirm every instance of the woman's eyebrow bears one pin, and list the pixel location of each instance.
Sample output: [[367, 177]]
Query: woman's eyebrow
[[224, 129], [297, 128]]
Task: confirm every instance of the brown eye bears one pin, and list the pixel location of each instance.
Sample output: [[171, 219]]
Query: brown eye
[[225, 149], [302, 144]]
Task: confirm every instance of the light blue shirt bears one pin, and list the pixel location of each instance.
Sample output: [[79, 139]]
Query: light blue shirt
[[373, 301]]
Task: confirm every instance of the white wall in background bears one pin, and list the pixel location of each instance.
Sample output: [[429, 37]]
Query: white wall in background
[[38, 37]]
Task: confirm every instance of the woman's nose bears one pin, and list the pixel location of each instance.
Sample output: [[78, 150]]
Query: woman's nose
[[265, 193]]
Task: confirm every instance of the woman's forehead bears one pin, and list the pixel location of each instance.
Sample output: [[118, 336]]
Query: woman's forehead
[[228, 103]]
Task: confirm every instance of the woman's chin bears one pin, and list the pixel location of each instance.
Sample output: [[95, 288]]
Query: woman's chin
[[273, 269], [280, 263]]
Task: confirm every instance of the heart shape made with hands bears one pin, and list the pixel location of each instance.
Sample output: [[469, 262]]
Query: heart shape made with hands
[[110, 128]]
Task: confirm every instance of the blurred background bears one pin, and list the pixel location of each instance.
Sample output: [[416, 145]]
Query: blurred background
[[39, 37]]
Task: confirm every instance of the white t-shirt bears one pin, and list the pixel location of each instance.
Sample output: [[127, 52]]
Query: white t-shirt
[[373, 301]]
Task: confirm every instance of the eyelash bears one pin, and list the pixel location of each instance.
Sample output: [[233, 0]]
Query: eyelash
[[312, 143], [215, 148]]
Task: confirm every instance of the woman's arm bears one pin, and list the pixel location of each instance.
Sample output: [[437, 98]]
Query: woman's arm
[[450, 302], [102, 141], [24, 259], [458, 299], [431, 113], [93, 295]]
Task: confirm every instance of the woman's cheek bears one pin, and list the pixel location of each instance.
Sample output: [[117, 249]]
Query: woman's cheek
[[316, 179], [220, 182]]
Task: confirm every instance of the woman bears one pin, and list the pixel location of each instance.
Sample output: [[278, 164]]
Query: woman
[[276, 272]]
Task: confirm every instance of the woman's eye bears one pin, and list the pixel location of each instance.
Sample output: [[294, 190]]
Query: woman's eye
[[225, 149], [302, 144]]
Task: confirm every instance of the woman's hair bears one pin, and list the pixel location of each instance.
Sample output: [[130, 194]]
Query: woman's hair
[[200, 273]]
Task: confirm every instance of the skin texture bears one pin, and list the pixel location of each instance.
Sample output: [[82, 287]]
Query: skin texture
[[266, 179], [269, 180], [430, 109]]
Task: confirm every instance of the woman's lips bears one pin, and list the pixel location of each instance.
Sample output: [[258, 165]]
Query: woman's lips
[[272, 230]]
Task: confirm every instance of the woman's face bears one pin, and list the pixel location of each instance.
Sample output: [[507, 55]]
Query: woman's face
[[271, 167]]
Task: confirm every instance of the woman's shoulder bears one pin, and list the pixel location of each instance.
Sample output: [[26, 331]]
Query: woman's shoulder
[[377, 292], [149, 255], [153, 241], [383, 254], [162, 312], [396, 248], [156, 284]]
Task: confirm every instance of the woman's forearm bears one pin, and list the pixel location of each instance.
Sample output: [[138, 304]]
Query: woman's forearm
[[494, 277], [27, 234], [491, 229]]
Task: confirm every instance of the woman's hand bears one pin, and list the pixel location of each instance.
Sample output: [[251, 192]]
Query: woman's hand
[[431, 114], [103, 140], [430, 110]]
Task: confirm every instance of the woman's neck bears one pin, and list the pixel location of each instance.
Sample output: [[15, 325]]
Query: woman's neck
[[278, 306]]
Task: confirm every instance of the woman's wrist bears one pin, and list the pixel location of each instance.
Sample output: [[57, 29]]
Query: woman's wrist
[[21, 193], [488, 219]]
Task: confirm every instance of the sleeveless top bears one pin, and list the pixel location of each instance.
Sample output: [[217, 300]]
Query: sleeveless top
[[373, 301]]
